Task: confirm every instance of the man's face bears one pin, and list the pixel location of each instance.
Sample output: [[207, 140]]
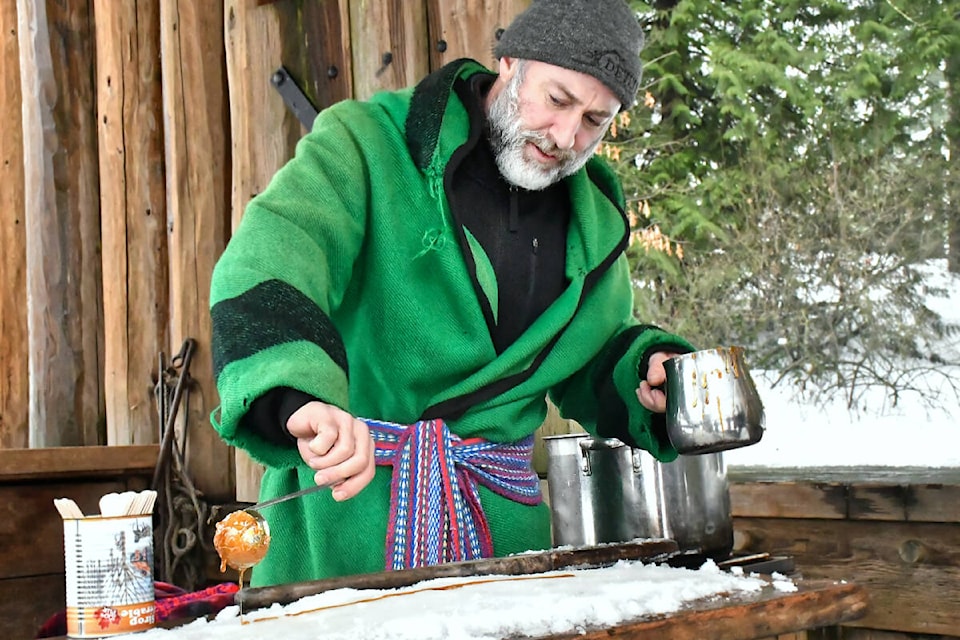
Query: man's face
[[546, 121]]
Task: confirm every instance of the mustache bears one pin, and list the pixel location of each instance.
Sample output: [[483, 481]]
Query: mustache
[[548, 146]]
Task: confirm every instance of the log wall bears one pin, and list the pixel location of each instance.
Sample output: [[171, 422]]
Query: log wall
[[145, 129]]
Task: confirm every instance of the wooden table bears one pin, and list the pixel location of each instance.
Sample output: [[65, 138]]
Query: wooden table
[[747, 616]]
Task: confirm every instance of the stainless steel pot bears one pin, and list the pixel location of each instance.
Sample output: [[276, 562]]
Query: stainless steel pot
[[603, 491], [712, 401]]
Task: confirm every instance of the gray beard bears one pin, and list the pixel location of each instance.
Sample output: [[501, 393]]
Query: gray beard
[[508, 139]]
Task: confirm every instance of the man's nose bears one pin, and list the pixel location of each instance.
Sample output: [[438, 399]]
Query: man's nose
[[564, 131]]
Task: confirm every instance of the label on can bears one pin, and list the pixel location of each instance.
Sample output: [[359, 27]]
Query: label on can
[[109, 575]]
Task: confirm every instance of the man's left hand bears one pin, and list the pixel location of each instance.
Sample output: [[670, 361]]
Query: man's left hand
[[649, 393]]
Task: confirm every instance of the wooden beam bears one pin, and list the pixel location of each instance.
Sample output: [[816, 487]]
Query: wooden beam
[[133, 214], [468, 28], [929, 495], [394, 53], [14, 384], [307, 39], [263, 134], [195, 119], [52, 463], [63, 224]]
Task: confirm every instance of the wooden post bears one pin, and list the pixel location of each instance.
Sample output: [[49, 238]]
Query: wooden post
[[62, 222], [14, 407], [308, 42], [468, 28], [133, 214], [316, 48], [394, 53], [263, 135], [195, 113]]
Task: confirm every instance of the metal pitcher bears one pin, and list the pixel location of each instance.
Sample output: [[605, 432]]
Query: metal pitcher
[[712, 402], [603, 491]]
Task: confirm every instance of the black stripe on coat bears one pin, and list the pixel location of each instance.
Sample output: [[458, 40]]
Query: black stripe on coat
[[271, 313]]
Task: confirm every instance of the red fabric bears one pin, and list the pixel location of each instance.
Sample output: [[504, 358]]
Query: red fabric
[[172, 603]]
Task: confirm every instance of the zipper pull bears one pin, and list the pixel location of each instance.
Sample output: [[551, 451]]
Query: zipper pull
[[536, 246]]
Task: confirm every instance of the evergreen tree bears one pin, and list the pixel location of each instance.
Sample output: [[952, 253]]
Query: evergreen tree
[[788, 170]]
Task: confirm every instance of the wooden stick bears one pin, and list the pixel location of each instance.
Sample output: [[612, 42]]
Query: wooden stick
[[523, 564]]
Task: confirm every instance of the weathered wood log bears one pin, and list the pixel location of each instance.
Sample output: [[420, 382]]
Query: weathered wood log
[[61, 202], [468, 28], [195, 118], [133, 215], [309, 40], [523, 564], [14, 384], [316, 46], [395, 51], [817, 604], [263, 136]]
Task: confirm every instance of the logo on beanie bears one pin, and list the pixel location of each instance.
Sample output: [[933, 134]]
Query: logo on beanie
[[612, 65]]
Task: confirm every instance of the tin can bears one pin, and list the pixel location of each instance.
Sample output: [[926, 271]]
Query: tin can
[[109, 575]]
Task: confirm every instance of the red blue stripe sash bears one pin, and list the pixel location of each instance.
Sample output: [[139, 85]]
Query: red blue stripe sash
[[435, 511]]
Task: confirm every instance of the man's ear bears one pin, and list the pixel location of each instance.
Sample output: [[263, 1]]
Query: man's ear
[[507, 67]]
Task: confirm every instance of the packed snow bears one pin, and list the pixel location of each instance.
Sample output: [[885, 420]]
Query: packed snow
[[484, 607]]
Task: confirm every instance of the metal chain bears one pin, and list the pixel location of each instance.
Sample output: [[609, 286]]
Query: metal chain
[[181, 543]]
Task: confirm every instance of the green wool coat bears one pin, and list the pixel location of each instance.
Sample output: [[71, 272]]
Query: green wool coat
[[347, 280]]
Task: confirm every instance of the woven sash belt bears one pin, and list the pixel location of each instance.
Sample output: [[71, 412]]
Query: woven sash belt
[[435, 512]]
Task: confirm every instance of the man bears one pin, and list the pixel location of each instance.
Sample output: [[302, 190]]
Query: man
[[395, 307]]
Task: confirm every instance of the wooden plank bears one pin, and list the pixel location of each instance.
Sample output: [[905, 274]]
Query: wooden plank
[[817, 604], [468, 28], [870, 475], [61, 202], [14, 384], [133, 214], [911, 503], [26, 603], [195, 119], [910, 569], [789, 500], [849, 633], [923, 500], [394, 51], [51, 463]]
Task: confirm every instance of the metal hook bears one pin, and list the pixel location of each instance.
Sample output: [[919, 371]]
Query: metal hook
[[385, 61]]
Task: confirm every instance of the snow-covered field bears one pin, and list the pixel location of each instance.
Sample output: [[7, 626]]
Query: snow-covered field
[[877, 434]]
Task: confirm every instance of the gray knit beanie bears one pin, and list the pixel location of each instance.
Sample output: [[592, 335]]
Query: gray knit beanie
[[601, 38]]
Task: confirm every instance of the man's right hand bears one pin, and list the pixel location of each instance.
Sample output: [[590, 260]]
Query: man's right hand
[[335, 444]]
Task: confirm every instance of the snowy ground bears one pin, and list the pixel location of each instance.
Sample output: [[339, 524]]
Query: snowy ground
[[909, 434]]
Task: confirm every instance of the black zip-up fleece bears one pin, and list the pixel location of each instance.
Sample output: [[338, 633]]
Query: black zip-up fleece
[[523, 233]]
